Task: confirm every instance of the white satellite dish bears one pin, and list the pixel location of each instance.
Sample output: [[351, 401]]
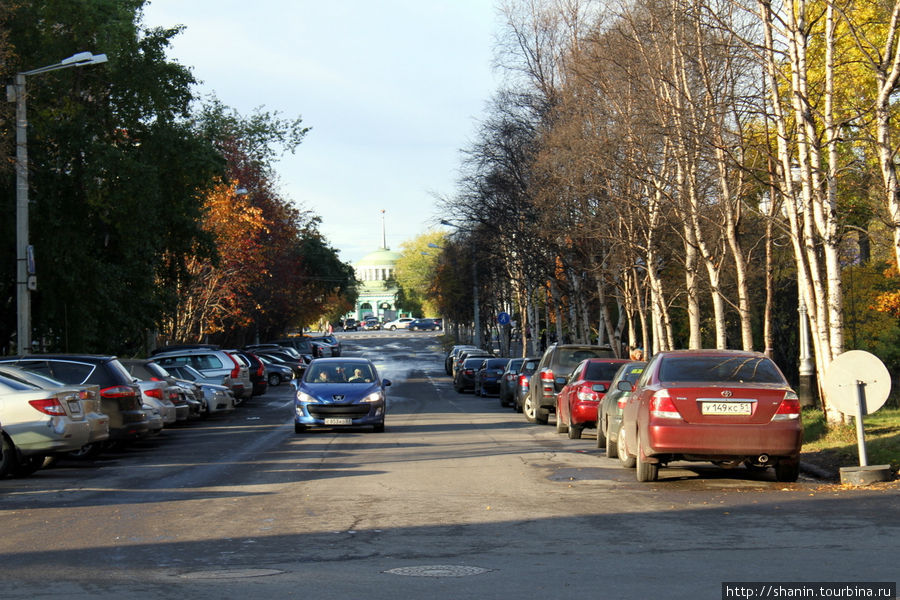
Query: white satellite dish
[[853, 373]]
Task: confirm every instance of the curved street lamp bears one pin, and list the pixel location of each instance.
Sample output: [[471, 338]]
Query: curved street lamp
[[25, 272]]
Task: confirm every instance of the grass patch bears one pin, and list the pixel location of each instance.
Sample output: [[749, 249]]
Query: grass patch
[[835, 446]]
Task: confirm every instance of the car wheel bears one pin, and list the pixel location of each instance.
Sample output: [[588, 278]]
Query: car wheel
[[393, 328], [645, 471], [575, 432], [503, 402], [541, 416], [274, 379], [87, 451], [787, 470], [379, 428], [476, 390], [27, 465], [601, 433], [528, 409], [612, 448], [298, 428], [7, 456], [622, 450]]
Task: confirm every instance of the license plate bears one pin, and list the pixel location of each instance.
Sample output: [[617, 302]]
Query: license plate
[[726, 408], [338, 421], [75, 408]]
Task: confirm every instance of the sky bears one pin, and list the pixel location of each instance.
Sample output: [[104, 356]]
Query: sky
[[393, 91]]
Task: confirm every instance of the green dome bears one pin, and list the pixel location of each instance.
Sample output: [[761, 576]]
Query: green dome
[[379, 258]]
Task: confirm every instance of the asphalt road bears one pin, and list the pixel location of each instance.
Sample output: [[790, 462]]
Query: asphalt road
[[458, 498]]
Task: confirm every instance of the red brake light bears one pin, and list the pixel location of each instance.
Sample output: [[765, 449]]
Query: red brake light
[[117, 391], [621, 402], [236, 371], [155, 393], [662, 406], [547, 376], [788, 409], [49, 406], [586, 393]]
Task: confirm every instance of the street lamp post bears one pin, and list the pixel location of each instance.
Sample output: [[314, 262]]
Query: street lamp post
[[25, 277]]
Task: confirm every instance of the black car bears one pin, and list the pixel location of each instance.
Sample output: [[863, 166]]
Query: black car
[[487, 379], [465, 375], [303, 345], [451, 356], [558, 361], [351, 324], [423, 325], [257, 371], [120, 397], [508, 381], [297, 365], [330, 341], [276, 372]]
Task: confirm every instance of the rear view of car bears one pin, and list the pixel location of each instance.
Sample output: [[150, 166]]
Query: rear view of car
[[727, 407]]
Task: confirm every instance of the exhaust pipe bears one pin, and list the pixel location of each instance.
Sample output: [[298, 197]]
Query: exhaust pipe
[[763, 459]]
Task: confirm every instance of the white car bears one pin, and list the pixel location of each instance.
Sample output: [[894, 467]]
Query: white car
[[401, 323]]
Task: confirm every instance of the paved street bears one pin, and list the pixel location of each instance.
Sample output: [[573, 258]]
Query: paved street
[[458, 498]]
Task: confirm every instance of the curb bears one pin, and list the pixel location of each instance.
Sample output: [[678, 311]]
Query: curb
[[816, 471]]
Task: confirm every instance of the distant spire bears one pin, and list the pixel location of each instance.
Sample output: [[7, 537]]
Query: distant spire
[[383, 233]]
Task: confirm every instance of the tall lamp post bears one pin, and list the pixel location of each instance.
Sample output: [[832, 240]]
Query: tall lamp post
[[25, 277]]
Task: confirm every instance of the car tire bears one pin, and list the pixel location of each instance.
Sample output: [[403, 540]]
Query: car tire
[[575, 432], [274, 379], [503, 402], [560, 426], [298, 428], [393, 328], [612, 447], [541, 416], [379, 428], [7, 456], [645, 471], [601, 433], [476, 390], [528, 409], [627, 461], [787, 470]]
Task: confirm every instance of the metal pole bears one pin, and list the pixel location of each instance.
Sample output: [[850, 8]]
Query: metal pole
[[23, 298], [476, 337], [860, 433], [807, 368]]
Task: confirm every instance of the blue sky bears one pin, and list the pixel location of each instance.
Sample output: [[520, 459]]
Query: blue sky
[[392, 90]]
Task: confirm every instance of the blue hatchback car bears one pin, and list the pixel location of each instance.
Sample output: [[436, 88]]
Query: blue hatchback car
[[340, 392]]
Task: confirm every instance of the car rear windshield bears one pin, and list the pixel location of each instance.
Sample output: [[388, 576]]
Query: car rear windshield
[[497, 363], [601, 371], [728, 369], [569, 358]]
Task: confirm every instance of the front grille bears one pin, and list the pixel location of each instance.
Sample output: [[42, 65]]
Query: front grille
[[321, 411]]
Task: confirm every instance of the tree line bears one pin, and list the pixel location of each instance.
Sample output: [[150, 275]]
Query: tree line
[[155, 214], [686, 174]]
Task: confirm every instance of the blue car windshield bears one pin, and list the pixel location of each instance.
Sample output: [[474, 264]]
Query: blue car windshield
[[334, 372]]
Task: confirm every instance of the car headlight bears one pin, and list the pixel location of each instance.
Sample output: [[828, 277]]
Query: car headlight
[[374, 397], [304, 397]]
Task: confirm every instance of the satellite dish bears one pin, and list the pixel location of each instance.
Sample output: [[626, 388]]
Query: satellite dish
[[847, 373]]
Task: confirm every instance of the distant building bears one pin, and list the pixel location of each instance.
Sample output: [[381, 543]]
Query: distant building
[[378, 292]]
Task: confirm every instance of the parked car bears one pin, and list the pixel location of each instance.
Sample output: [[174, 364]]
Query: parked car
[[464, 380], [729, 407], [279, 357], [38, 422], [120, 398], [186, 404], [227, 369], [423, 325], [370, 323], [340, 392], [579, 398], [330, 341], [524, 384], [609, 415], [89, 396], [452, 354], [487, 378], [508, 380], [401, 323], [303, 345], [214, 396], [558, 361], [276, 372], [470, 353], [351, 324], [258, 378]]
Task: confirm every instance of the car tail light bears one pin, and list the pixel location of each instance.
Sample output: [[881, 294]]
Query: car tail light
[[122, 392], [662, 406], [547, 380], [49, 406], [155, 393], [236, 371], [621, 401], [523, 381], [788, 409], [586, 393], [469, 372]]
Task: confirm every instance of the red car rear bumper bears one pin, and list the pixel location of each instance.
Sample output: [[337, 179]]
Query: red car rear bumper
[[584, 413], [776, 439]]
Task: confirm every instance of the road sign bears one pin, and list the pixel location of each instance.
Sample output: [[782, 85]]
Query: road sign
[[503, 318]]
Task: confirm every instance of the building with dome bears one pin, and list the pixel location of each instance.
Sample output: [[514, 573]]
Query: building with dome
[[378, 290]]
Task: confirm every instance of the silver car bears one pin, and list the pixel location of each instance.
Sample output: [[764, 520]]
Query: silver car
[[225, 368], [216, 398], [36, 423]]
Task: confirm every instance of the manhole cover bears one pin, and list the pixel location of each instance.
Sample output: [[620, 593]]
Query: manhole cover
[[230, 573], [438, 571]]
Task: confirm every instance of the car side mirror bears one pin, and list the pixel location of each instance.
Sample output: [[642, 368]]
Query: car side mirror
[[625, 386], [599, 387], [386, 382]]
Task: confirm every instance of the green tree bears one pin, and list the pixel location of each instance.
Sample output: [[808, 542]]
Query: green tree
[[415, 273]]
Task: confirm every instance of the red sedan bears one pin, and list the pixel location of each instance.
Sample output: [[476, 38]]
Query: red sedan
[[725, 406], [577, 401]]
